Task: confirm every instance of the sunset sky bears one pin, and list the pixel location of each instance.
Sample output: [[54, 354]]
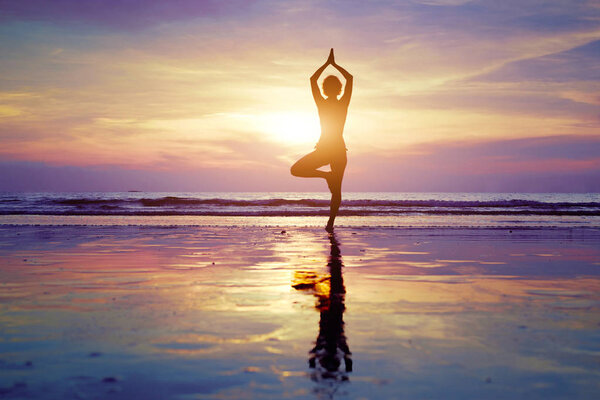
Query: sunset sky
[[449, 95]]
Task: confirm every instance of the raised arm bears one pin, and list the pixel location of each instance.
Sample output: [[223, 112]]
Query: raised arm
[[315, 77], [348, 88]]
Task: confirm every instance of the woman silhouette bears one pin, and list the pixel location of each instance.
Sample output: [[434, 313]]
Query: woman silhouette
[[331, 148]]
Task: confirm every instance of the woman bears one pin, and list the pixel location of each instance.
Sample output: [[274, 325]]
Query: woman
[[331, 148]]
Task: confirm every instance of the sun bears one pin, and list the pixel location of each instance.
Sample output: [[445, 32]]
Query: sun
[[291, 127]]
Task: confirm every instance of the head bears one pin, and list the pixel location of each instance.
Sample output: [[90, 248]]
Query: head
[[332, 86]]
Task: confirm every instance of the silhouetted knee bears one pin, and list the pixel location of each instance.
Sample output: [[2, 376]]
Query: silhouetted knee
[[294, 170]]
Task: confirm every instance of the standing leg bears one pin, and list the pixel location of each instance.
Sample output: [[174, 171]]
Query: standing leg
[[334, 181]]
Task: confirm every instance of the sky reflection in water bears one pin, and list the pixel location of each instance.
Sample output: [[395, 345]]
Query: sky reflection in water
[[143, 311]]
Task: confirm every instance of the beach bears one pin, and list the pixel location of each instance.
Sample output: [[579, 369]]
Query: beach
[[266, 200], [228, 312]]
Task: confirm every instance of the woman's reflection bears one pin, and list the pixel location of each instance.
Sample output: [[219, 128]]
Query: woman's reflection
[[331, 347]]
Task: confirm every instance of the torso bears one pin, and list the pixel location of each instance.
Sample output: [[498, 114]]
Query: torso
[[332, 114]]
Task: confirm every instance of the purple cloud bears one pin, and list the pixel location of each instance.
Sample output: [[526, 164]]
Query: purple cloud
[[545, 164], [579, 64], [548, 164], [117, 14], [23, 176]]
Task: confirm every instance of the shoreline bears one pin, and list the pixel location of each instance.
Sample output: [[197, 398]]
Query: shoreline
[[400, 221]]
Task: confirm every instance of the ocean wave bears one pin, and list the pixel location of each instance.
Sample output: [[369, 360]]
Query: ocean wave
[[143, 204], [279, 202]]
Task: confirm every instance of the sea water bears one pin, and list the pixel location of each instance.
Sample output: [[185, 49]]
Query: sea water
[[302, 209]]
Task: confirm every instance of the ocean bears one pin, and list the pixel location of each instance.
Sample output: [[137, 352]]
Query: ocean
[[302, 209]]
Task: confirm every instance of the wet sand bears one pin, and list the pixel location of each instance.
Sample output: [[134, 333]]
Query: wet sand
[[245, 312]]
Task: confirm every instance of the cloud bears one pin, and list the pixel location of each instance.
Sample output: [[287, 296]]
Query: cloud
[[36, 176], [443, 2], [578, 64], [118, 14], [558, 163], [549, 164], [186, 84]]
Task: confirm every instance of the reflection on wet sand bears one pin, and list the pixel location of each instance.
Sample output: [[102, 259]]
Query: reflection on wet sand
[[142, 312], [331, 347]]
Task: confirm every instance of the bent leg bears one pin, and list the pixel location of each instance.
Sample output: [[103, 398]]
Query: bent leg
[[338, 166], [306, 167]]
